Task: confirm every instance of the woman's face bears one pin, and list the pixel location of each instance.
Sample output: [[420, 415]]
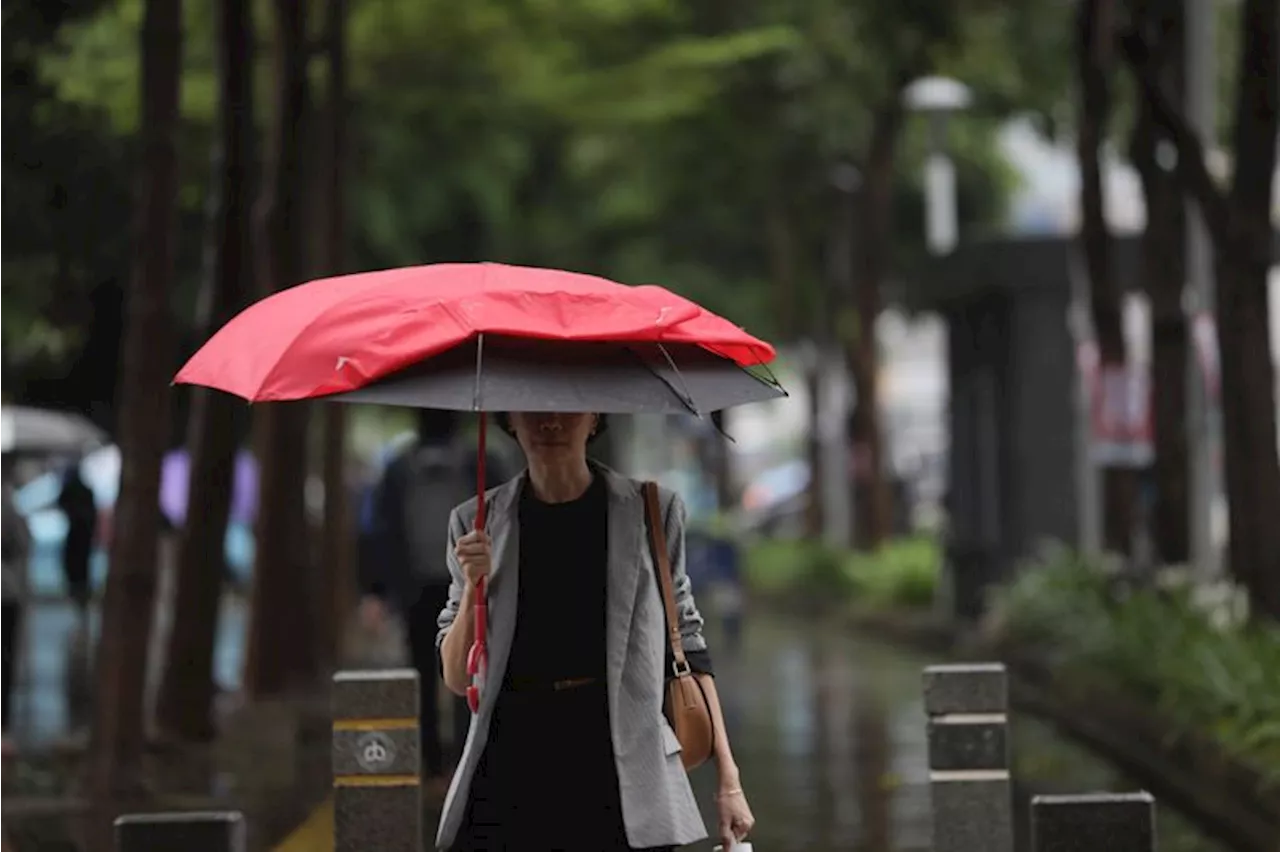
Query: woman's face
[[553, 437]]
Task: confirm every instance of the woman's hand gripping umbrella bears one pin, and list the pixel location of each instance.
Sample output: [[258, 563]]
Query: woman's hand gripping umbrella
[[485, 337]]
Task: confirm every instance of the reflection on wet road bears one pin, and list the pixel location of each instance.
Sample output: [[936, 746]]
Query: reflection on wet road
[[51, 691], [828, 729]]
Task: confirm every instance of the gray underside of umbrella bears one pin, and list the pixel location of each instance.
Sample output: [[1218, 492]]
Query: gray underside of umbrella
[[36, 430], [533, 375]]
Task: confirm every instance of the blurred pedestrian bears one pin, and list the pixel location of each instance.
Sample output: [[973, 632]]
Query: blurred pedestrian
[[405, 570], [569, 749], [726, 581], [77, 503], [15, 553]]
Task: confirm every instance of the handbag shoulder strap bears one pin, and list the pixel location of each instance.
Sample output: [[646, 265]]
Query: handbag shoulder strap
[[658, 542]]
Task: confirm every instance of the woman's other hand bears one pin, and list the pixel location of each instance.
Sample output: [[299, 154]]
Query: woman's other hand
[[736, 820], [473, 552]]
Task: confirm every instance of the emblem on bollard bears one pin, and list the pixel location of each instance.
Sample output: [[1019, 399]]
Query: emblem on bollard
[[375, 751]]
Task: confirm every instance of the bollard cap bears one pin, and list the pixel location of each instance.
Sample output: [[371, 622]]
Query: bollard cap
[[965, 688], [179, 817], [375, 694], [1141, 796], [191, 831]]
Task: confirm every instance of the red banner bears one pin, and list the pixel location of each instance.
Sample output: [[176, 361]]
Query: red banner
[[1120, 408]]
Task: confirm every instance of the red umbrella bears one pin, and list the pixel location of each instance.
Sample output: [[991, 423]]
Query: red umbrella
[[338, 334], [419, 336]]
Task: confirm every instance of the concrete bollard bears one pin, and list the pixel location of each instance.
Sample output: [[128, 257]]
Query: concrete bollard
[[376, 765], [967, 706], [195, 831], [1115, 822]]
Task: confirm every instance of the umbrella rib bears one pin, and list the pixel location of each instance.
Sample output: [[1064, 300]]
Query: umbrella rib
[[475, 396], [688, 397], [685, 398], [772, 379]]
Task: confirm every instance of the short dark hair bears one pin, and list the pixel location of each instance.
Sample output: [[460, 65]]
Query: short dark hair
[[503, 419]]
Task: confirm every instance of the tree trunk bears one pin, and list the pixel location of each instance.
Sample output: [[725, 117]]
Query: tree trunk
[[1164, 278], [872, 503], [281, 653], [185, 704], [816, 511], [119, 720], [1094, 28], [1244, 336], [781, 241], [1239, 224], [338, 543]]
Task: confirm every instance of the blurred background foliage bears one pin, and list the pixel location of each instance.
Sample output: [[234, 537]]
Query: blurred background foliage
[[649, 141]]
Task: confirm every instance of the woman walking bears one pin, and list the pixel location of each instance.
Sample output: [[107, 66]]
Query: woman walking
[[569, 749]]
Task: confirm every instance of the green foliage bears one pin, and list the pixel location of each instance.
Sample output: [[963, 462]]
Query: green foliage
[[651, 141], [803, 568], [66, 194], [95, 63], [902, 574], [1165, 645]]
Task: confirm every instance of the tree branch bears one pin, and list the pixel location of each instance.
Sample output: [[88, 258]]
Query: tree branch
[[1190, 169]]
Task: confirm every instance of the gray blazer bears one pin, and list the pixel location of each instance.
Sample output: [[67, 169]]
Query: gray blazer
[[657, 803]]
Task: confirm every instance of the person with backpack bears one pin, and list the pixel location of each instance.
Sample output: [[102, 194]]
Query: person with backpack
[[405, 568]]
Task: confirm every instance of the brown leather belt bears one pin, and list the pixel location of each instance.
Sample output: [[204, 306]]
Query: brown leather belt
[[535, 685]]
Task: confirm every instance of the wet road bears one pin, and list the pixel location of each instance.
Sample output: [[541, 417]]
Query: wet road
[[828, 729]]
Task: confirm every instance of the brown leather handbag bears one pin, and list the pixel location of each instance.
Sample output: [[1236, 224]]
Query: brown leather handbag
[[685, 703]]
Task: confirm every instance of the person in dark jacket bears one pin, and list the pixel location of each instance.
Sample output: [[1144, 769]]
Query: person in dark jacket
[[77, 503], [404, 568]]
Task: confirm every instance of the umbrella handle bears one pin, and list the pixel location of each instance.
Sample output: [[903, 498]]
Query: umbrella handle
[[478, 656]]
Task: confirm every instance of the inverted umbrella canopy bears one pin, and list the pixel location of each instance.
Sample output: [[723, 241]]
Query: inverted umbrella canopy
[[338, 334]]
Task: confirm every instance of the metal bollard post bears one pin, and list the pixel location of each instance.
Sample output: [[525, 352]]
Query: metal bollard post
[[195, 831], [967, 706], [377, 770], [1115, 822]]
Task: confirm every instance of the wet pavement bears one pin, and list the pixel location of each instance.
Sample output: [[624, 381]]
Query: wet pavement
[[828, 729], [829, 732], [51, 691]]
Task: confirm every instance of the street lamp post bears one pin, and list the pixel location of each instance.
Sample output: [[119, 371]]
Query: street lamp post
[[938, 98]]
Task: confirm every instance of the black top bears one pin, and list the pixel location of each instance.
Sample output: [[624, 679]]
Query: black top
[[540, 733], [564, 555]]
